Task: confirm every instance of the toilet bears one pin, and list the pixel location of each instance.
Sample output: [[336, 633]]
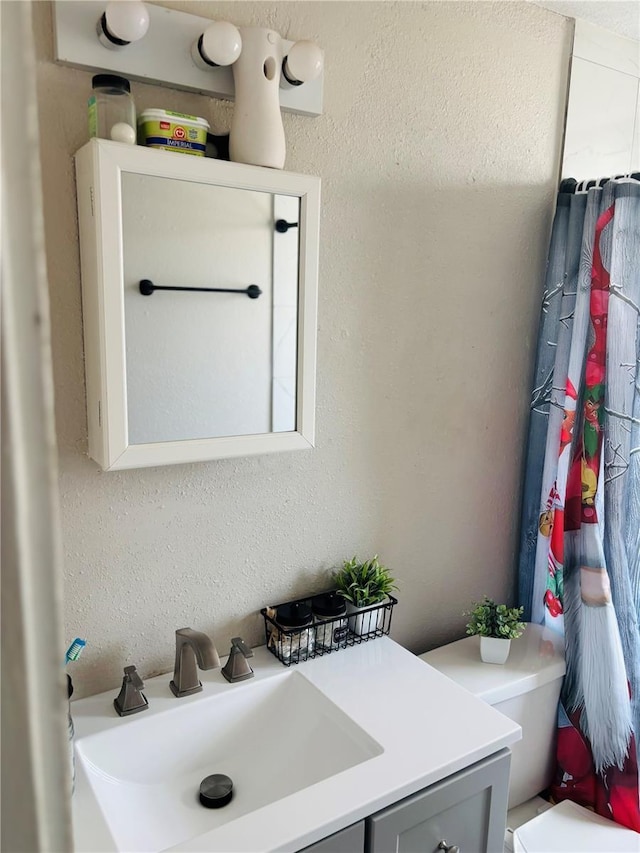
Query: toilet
[[526, 689]]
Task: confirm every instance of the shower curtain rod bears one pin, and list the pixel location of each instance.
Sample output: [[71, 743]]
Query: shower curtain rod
[[570, 185]]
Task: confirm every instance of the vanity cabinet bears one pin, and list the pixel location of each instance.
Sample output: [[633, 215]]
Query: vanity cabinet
[[465, 813]]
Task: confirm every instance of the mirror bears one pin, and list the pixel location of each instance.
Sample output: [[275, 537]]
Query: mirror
[[208, 363], [199, 302]]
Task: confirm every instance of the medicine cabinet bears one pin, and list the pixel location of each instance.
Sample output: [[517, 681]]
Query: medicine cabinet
[[199, 286]]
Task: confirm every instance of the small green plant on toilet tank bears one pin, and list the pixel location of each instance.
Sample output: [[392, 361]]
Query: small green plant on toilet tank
[[496, 625], [364, 585]]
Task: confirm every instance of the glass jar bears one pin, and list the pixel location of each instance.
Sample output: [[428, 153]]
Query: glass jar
[[112, 113], [299, 644], [329, 613]]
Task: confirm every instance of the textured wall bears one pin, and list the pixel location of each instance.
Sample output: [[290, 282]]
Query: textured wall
[[438, 150]]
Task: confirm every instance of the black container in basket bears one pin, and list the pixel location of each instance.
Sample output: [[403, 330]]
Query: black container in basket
[[294, 634], [300, 630], [330, 621]]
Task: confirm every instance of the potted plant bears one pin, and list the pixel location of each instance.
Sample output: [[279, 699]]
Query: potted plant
[[496, 625], [364, 586]]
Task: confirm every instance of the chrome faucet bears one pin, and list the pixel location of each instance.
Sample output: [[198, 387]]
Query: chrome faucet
[[191, 647]]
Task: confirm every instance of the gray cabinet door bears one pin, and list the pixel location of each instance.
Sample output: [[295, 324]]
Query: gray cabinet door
[[349, 840], [467, 810]]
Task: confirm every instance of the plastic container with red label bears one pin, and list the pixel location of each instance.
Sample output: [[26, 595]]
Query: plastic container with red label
[[171, 131]]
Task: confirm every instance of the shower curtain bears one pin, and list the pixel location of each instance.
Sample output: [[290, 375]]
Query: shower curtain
[[579, 571]]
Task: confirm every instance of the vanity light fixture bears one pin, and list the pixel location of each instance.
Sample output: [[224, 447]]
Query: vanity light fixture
[[153, 44], [122, 22], [257, 67], [302, 64], [220, 44]]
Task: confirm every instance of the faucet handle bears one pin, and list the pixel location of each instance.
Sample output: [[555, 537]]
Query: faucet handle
[[130, 700], [131, 674], [236, 668], [239, 643]]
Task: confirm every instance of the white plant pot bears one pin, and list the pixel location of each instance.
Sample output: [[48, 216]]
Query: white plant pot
[[363, 620], [494, 649]]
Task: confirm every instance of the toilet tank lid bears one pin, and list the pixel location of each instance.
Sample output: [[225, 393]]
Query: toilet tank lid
[[536, 658]]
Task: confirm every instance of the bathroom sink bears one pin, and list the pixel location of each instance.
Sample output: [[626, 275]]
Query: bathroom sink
[[273, 737]]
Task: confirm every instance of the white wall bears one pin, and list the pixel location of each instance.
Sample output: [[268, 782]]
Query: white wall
[[603, 115], [439, 154]]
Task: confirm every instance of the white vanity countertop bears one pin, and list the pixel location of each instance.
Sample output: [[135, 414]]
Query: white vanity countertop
[[427, 726]]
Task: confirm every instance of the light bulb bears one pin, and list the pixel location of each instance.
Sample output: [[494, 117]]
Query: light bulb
[[303, 63], [123, 22], [219, 44]]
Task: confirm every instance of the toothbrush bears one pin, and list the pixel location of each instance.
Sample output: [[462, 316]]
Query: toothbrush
[[75, 650]]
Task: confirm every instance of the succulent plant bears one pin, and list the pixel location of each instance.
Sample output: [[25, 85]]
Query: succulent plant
[[364, 583], [489, 619]]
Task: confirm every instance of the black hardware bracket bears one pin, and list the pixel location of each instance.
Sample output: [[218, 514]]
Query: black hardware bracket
[[282, 226], [147, 288]]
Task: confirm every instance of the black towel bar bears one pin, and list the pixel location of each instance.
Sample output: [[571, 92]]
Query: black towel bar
[[148, 287]]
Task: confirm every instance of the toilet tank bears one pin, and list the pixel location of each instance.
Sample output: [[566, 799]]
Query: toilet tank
[[526, 689]]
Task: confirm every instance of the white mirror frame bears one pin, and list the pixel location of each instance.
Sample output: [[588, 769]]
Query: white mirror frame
[[99, 166]]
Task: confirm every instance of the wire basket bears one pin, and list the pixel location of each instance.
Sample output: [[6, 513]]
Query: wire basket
[[324, 636]]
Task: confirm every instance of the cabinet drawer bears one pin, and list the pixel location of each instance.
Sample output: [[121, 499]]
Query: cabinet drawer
[[349, 840], [467, 810]]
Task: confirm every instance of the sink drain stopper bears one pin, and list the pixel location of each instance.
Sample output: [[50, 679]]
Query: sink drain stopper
[[216, 791]]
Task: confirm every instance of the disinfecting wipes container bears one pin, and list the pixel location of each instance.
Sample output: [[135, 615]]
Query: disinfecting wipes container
[[171, 131]]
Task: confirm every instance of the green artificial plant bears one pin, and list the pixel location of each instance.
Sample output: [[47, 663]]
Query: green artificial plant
[[365, 583], [489, 619]]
